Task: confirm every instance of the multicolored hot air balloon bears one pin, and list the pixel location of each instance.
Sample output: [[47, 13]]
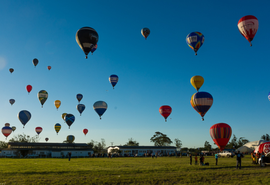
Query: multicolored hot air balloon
[[201, 102], [46, 139], [85, 131], [70, 138], [42, 96], [69, 119], [24, 116], [197, 82], [35, 62], [145, 32], [113, 80], [80, 108], [13, 128], [165, 111], [86, 38], [195, 40], [11, 101], [6, 131], [29, 88], [63, 116], [57, 104], [248, 26], [11, 70], [94, 49], [49, 67], [57, 127], [269, 96], [7, 125], [100, 107], [38, 130], [79, 97], [221, 134]]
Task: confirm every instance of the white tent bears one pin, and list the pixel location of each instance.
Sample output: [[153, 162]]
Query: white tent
[[250, 146]]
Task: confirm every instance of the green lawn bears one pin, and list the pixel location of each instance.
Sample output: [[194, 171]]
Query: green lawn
[[163, 170]]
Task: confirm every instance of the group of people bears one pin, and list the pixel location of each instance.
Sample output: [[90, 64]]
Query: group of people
[[256, 156], [196, 159]]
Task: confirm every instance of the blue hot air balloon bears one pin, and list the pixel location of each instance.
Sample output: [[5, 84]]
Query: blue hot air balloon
[[79, 97], [24, 116], [69, 119], [195, 40], [11, 101], [201, 102], [80, 108], [113, 80], [100, 107]]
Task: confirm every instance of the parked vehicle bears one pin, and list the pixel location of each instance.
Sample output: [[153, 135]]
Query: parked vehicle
[[226, 154]]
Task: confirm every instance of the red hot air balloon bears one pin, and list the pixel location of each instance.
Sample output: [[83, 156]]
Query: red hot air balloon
[[6, 131], [221, 134], [85, 131], [49, 67], [165, 111], [29, 88], [38, 130], [248, 26]]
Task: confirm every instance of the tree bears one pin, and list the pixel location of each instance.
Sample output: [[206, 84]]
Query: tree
[[265, 137], [232, 143], [22, 138], [160, 139], [98, 147], [131, 142], [178, 143], [207, 146], [3, 144], [241, 142]]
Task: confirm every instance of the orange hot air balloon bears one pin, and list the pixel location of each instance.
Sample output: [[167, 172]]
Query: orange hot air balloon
[[165, 111], [49, 67], [221, 134]]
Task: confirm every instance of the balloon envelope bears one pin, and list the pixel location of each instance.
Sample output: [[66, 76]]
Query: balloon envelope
[[57, 127], [113, 80], [248, 26], [69, 119], [165, 111], [42, 96], [145, 32], [11, 70], [29, 88], [38, 130], [80, 108], [221, 134], [24, 116], [49, 67], [85, 131], [13, 128], [201, 102], [197, 82], [86, 38], [11, 101], [35, 62], [6, 131], [70, 138], [264, 147], [100, 107], [195, 40], [46, 139], [7, 125], [63, 116], [57, 104], [79, 97]]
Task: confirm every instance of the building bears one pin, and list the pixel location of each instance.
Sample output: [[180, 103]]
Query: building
[[46, 150], [164, 150]]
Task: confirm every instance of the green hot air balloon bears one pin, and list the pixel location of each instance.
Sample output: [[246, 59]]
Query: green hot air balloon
[[42, 96], [70, 138]]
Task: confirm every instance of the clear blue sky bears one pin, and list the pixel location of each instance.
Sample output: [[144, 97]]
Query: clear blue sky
[[152, 72]]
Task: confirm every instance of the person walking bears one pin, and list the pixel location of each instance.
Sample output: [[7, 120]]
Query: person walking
[[216, 157], [69, 156], [238, 159], [190, 157]]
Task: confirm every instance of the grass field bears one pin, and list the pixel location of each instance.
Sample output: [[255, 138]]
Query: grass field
[[163, 170]]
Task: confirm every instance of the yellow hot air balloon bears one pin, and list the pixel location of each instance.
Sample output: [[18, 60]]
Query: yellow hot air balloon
[[57, 103], [63, 116], [197, 82]]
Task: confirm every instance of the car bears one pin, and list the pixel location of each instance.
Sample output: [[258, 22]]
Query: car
[[226, 154]]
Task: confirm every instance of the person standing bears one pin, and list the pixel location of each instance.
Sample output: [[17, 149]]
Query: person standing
[[196, 160], [190, 157], [216, 156], [238, 159], [257, 157], [69, 156]]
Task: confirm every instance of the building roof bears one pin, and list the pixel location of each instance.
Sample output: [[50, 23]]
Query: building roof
[[145, 147], [48, 144]]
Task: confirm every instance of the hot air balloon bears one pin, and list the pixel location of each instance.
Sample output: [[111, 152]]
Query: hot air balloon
[[80, 108], [145, 32], [29, 88], [42, 96], [165, 111], [113, 80], [57, 103], [11, 70], [46, 139], [94, 49], [6, 131], [49, 67], [69, 119], [13, 128], [195, 40], [57, 127], [63, 116], [86, 38], [79, 97], [85, 131], [221, 134], [269, 96], [11, 101], [70, 138], [24, 116], [38, 130], [197, 82], [100, 107], [7, 125], [35, 62], [248, 26], [201, 102]]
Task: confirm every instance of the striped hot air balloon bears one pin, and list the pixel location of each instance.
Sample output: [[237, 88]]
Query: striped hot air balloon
[[113, 80], [201, 102], [38, 130], [221, 134], [24, 116], [100, 107], [57, 127], [6, 131]]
